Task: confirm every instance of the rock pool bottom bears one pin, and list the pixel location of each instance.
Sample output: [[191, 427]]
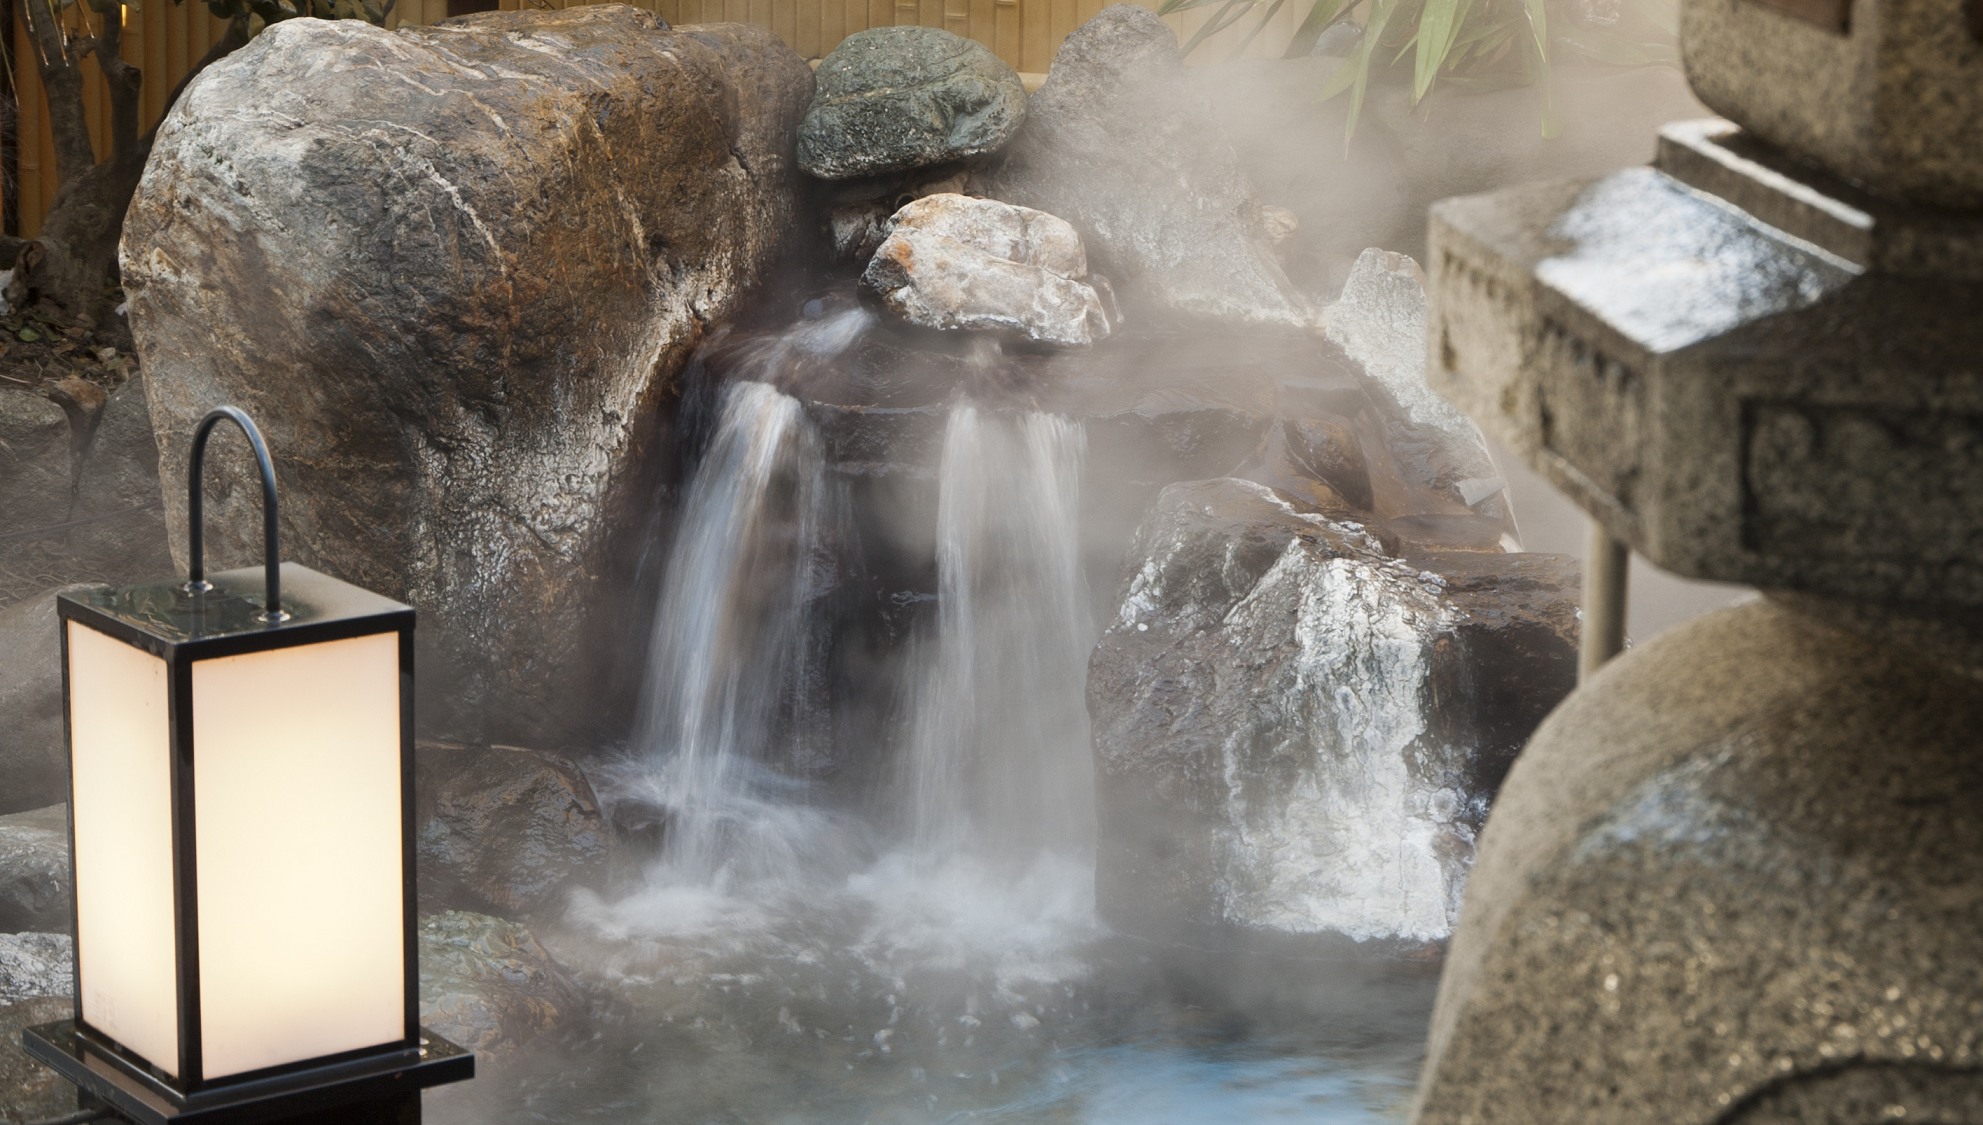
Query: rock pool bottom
[[912, 993]]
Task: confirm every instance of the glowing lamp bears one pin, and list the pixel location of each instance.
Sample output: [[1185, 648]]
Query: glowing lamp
[[241, 833]]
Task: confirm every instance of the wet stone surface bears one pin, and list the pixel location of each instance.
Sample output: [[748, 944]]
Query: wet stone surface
[[892, 99], [34, 870]]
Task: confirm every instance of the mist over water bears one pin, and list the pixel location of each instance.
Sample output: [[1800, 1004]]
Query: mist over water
[[926, 949], [999, 766]]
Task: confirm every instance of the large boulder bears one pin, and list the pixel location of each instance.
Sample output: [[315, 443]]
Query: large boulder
[[1120, 143], [1290, 734], [34, 870], [951, 261], [506, 830], [36, 964], [893, 99], [454, 271], [488, 985]]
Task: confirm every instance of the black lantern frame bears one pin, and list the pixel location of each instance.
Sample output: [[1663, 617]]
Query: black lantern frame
[[184, 623]]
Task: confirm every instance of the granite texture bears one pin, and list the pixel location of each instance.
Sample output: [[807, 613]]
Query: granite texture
[[1731, 879], [892, 99], [1733, 402], [1894, 102]]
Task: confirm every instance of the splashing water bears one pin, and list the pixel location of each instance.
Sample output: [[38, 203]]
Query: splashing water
[[732, 661], [999, 767], [938, 956]]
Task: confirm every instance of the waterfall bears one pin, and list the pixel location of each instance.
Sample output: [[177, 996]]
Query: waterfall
[[732, 659], [999, 763]]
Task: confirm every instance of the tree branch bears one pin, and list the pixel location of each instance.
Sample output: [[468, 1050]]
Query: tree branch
[[125, 82], [62, 78]]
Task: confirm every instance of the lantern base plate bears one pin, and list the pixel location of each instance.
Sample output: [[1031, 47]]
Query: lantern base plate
[[387, 1078]]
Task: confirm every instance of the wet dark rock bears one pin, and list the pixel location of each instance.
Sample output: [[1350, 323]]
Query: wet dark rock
[[1325, 446], [1297, 732], [34, 870], [82, 490], [119, 490], [415, 243], [891, 99], [34, 459], [34, 760], [1517, 616], [954, 262], [488, 985], [36, 964], [30, 1091], [855, 230], [506, 830], [1119, 143]]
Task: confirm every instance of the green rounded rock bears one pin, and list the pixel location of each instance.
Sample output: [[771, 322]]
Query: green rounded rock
[[891, 99]]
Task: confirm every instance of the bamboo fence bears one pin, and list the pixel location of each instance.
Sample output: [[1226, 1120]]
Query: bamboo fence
[[164, 38]]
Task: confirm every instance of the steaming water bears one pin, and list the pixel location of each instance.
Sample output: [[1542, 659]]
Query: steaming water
[[1000, 766], [933, 955], [728, 656]]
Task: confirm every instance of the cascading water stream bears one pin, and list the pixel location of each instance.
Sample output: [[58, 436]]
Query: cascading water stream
[[929, 949], [999, 763], [731, 658]]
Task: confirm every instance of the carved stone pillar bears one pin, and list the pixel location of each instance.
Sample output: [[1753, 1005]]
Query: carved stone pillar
[[1738, 876]]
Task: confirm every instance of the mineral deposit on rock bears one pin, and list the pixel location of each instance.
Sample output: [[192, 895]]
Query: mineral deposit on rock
[[1297, 731]]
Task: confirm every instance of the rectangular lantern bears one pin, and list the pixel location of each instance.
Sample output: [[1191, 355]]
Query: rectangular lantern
[[241, 830]]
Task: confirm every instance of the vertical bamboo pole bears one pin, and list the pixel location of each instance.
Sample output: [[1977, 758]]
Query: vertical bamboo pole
[[1035, 42], [832, 24], [33, 129]]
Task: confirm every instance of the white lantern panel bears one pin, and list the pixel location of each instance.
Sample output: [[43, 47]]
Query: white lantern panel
[[120, 742], [296, 767]]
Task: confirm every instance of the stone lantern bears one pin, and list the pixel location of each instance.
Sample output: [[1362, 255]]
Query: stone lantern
[[1735, 878]]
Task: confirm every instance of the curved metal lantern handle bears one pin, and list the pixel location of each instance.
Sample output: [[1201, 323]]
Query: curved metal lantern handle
[[195, 517]]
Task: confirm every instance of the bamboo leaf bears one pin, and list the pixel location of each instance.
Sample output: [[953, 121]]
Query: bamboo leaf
[[1538, 18], [1380, 16], [1228, 12], [1319, 19], [1537, 58], [1438, 28]]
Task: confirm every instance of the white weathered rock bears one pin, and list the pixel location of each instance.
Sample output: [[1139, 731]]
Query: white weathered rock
[[36, 965], [1296, 732], [951, 261], [1380, 321]]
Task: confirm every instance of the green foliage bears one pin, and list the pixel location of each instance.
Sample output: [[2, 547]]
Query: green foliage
[[1464, 44]]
